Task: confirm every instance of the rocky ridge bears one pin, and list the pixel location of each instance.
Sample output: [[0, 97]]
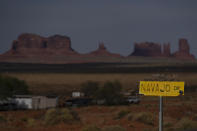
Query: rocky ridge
[[151, 49], [102, 51], [32, 48], [31, 45], [184, 50]]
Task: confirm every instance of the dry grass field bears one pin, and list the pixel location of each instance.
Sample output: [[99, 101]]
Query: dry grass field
[[65, 82]]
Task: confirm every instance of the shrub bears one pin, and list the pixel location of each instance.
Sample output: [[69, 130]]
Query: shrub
[[130, 117], [186, 123], [51, 116], [111, 93], [113, 128], [122, 114], [147, 129], [10, 118], [55, 116], [10, 86], [30, 122], [91, 128], [65, 115], [146, 118], [24, 119], [2, 119], [90, 88], [75, 115], [194, 118], [168, 124], [148, 106], [170, 129]]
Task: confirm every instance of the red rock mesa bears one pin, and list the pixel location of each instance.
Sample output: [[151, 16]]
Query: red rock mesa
[[31, 44]]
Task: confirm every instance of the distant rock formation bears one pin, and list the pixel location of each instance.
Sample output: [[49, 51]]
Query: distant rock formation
[[184, 50], [56, 49], [32, 48], [31, 44], [148, 49], [166, 50], [102, 51]]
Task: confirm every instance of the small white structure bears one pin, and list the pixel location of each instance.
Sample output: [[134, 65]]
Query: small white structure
[[77, 94], [23, 101], [35, 102], [43, 102]]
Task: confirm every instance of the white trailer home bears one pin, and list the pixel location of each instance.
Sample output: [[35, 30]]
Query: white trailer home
[[35, 102], [23, 101]]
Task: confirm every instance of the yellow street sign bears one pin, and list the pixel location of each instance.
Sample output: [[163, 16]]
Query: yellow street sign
[[161, 88]]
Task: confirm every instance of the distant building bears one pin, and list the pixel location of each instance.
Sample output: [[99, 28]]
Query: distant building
[[77, 94], [35, 102]]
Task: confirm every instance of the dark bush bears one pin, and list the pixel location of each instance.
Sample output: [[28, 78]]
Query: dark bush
[[90, 88], [111, 93], [10, 86]]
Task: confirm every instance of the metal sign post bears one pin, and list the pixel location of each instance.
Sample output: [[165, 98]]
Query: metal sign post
[[161, 113], [161, 88]]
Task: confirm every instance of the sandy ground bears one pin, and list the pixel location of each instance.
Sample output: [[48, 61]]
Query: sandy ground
[[175, 109]]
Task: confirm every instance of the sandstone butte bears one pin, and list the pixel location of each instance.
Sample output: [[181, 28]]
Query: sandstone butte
[[150, 49], [32, 48]]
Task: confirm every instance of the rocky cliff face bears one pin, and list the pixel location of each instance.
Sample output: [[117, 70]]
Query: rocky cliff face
[[147, 49], [166, 50], [32, 48], [151, 49], [102, 51], [31, 44], [184, 50]]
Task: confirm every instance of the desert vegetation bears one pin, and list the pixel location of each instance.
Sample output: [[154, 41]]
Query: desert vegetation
[[110, 91], [10, 86], [104, 118], [55, 116], [179, 112]]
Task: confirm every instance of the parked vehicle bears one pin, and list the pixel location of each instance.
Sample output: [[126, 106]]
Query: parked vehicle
[[133, 99], [7, 105], [75, 102], [78, 102]]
